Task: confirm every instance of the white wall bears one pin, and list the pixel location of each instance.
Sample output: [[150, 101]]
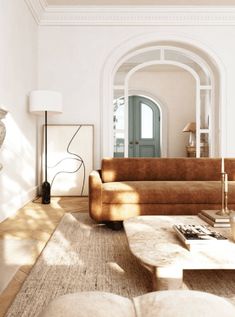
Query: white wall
[[175, 90], [71, 59], [18, 64]]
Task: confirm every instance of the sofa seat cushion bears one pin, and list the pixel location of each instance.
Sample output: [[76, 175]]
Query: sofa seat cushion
[[161, 192]]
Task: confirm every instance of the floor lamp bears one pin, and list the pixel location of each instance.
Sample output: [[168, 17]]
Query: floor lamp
[[45, 102]]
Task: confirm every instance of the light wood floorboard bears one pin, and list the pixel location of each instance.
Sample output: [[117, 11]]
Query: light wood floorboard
[[34, 222]]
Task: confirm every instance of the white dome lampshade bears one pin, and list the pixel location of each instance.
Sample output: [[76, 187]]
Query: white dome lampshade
[[45, 100]]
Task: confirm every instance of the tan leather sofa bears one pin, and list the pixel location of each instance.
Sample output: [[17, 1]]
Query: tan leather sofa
[[127, 187]]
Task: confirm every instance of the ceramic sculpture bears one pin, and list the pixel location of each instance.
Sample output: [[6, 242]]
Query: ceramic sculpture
[[2, 128]]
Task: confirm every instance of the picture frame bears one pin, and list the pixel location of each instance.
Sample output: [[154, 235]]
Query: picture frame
[[69, 158]]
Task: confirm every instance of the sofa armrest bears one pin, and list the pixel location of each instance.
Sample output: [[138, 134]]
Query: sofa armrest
[[95, 195]]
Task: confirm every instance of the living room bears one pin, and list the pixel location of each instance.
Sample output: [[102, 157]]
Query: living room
[[83, 49]]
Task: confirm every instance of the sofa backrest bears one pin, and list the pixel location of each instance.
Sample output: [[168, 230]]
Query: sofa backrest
[[168, 169]]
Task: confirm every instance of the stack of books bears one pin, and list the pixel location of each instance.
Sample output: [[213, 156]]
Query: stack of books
[[215, 220], [196, 237]]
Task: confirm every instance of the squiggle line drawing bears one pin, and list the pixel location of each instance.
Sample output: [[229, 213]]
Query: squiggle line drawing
[[77, 158]]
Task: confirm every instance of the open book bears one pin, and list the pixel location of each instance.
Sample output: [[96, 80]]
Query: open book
[[194, 236]]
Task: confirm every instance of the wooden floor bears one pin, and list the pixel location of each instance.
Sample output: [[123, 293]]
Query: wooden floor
[[34, 222]]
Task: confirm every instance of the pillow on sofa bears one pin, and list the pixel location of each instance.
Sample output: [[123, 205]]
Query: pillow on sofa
[[89, 304], [182, 303]]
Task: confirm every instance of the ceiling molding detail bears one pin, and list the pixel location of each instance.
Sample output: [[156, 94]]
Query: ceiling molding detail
[[37, 8], [46, 15]]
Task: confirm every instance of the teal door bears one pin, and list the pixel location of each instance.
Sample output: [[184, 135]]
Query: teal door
[[144, 128]]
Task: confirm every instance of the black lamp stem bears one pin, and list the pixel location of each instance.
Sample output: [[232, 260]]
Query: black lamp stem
[[46, 187], [45, 146]]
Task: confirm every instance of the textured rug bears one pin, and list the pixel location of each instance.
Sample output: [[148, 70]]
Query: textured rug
[[81, 256], [84, 256]]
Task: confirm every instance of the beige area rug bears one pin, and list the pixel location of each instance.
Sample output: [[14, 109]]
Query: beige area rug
[[81, 256], [84, 256], [13, 254]]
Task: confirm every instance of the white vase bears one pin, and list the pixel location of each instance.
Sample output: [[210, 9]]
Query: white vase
[[2, 128]]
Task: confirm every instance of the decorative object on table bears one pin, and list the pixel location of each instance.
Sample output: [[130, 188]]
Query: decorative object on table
[[219, 218], [69, 169], [191, 128], [191, 150], [232, 224], [47, 102], [224, 192], [3, 113], [194, 236], [213, 219], [224, 195]]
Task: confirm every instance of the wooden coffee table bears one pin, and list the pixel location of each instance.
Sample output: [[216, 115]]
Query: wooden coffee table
[[154, 242]]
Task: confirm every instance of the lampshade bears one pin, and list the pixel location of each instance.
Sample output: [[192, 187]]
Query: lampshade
[[45, 100], [190, 127]]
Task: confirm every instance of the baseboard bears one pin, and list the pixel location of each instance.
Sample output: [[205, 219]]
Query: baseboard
[[11, 207]]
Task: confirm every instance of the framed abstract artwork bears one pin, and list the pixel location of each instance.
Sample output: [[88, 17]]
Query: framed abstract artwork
[[69, 158]]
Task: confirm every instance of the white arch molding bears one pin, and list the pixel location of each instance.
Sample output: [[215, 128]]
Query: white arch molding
[[108, 78], [150, 63]]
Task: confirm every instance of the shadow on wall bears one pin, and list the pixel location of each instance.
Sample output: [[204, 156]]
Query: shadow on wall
[[17, 177]]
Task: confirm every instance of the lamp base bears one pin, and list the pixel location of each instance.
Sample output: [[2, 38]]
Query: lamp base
[[46, 193]]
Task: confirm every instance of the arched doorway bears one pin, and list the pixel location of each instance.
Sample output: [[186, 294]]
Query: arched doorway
[[202, 64], [144, 134]]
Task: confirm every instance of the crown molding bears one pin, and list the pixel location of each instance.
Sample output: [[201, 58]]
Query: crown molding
[[37, 8], [47, 15]]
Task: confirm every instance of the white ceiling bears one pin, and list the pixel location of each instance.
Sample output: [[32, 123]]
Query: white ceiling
[[141, 2]]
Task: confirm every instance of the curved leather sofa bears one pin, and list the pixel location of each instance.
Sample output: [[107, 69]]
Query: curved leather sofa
[[128, 187]]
